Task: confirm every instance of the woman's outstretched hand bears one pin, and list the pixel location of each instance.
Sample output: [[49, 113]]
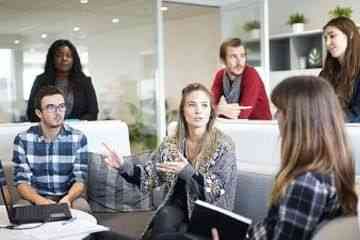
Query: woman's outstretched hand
[[174, 166], [112, 159]]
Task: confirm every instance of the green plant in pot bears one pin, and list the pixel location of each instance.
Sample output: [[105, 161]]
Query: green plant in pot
[[253, 28], [297, 21], [341, 12], [142, 136]]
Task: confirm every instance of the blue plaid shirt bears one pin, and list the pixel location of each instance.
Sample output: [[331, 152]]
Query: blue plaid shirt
[[309, 200], [2, 176], [50, 168]]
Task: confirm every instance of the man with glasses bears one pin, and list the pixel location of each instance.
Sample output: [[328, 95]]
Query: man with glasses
[[50, 159]]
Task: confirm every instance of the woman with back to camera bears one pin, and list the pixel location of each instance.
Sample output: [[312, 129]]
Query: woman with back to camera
[[342, 64], [197, 163], [63, 69], [316, 180]]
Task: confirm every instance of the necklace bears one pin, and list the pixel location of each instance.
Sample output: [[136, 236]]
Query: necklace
[[192, 150]]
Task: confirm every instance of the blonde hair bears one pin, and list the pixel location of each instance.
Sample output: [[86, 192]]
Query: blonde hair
[[313, 137], [182, 127]]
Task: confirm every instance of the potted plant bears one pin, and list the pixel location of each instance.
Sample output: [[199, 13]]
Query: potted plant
[[142, 136], [341, 12], [297, 21], [253, 28]]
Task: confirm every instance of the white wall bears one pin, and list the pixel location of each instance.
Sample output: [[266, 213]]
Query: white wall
[[191, 53], [117, 67], [115, 60], [233, 17]]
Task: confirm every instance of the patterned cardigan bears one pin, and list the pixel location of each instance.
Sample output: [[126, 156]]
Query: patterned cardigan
[[213, 181]]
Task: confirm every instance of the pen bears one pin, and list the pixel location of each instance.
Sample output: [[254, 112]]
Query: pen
[[69, 221]]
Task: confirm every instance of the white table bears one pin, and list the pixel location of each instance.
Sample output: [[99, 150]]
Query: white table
[[9, 234]]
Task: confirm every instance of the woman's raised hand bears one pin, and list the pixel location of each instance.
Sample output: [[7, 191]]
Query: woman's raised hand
[[174, 166], [113, 159]]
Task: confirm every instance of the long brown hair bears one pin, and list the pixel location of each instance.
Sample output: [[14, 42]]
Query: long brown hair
[[182, 131], [342, 76], [313, 137]]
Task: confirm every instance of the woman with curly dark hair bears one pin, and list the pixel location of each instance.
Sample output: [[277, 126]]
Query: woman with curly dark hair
[[63, 69]]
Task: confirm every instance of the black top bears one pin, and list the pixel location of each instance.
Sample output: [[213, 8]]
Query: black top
[[2, 175], [353, 111], [85, 103]]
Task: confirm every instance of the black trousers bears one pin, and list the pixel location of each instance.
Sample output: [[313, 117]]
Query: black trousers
[[170, 221], [107, 235], [180, 236]]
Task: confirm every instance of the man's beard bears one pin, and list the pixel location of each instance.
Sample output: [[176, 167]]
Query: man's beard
[[236, 68]]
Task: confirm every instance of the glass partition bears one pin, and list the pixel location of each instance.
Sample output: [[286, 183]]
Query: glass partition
[[117, 43], [244, 19], [192, 36]]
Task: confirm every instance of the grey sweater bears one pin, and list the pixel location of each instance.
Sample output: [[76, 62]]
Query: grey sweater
[[214, 181]]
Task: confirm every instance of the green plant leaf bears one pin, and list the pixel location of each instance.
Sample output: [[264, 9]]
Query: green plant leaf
[[296, 18], [339, 11], [250, 25]]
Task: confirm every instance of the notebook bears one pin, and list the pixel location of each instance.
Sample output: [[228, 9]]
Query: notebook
[[34, 213], [229, 225]]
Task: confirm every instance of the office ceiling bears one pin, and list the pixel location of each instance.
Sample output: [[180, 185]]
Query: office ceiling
[[206, 2], [26, 19]]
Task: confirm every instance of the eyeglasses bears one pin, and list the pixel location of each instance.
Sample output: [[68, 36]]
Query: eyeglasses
[[51, 108]]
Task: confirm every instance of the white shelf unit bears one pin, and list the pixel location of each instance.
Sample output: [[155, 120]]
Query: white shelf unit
[[286, 50], [253, 52]]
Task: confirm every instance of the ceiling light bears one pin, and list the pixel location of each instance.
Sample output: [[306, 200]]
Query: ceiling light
[[16, 41], [164, 9], [84, 1], [115, 20], [44, 35], [76, 29]]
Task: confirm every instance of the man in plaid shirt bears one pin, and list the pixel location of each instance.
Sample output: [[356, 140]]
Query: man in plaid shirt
[[51, 159]]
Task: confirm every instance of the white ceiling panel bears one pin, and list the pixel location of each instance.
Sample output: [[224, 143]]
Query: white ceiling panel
[[217, 3], [27, 20]]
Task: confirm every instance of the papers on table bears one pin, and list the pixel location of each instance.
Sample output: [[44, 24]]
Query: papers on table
[[64, 230]]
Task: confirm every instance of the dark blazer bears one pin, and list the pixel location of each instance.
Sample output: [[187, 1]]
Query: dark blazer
[[85, 102]]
